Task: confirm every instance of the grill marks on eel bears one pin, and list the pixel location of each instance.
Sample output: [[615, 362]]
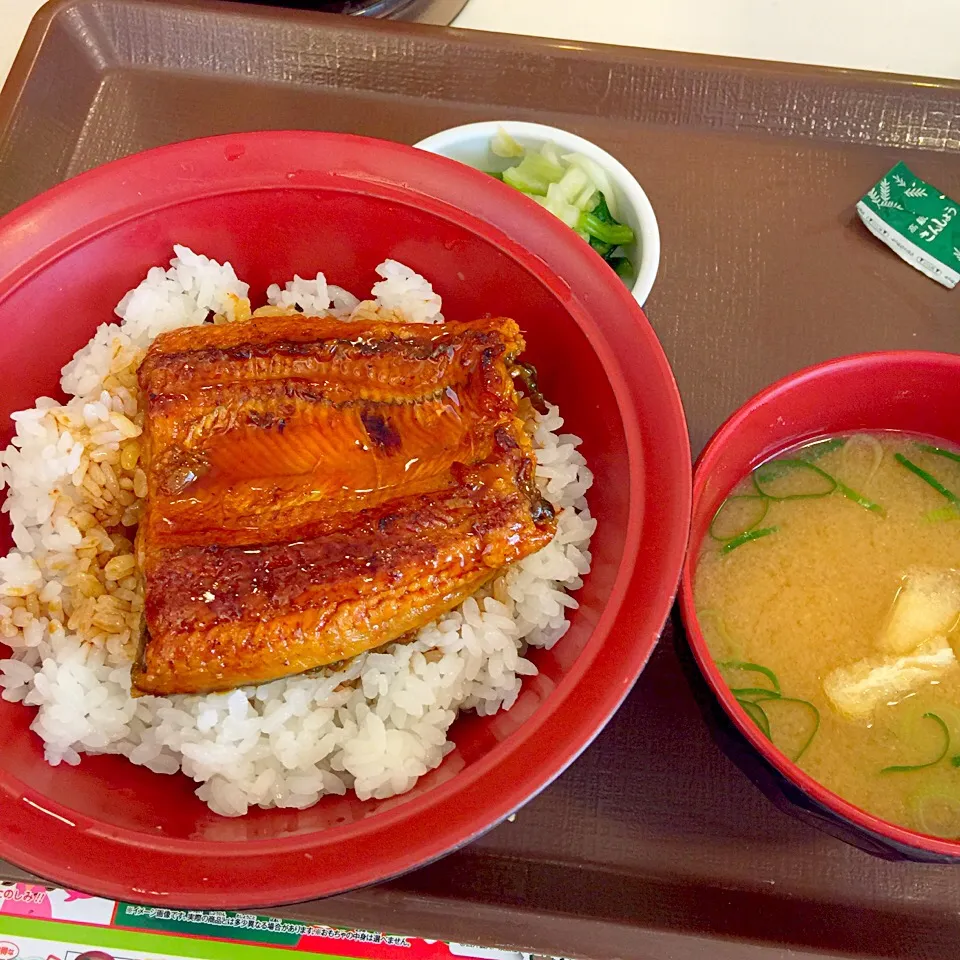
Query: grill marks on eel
[[317, 488]]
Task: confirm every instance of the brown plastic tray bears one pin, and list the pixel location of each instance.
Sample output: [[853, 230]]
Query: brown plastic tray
[[652, 844]]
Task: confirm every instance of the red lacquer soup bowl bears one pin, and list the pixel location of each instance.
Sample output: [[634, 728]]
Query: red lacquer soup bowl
[[281, 203], [912, 391]]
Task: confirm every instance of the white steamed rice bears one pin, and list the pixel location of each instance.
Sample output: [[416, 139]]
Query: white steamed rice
[[71, 606]]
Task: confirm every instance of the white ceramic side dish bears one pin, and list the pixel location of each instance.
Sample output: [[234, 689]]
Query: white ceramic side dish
[[470, 144]]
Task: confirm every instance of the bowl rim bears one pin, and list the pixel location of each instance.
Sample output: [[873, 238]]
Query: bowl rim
[[626, 181], [703, 467], [50, 225]]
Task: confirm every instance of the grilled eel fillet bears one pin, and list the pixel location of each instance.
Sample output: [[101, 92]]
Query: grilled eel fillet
[[317, 488]]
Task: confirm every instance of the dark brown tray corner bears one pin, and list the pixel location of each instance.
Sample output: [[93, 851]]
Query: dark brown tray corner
[[652, 844]]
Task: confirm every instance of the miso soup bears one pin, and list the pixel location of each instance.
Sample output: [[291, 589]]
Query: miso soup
[[828, 591]]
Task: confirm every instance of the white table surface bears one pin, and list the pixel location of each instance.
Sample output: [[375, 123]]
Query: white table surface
[[887, 35]]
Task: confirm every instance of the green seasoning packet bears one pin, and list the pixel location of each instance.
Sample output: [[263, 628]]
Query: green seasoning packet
[[916, 221]]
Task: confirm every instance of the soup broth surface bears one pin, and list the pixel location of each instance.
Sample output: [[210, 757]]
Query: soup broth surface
[[829, 593]]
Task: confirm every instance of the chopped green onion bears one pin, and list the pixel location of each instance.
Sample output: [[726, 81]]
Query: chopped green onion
[[936, 809], [939, 451], [873, 447], [769, 472], [745, 666], [908, 768], [955, 760], [717, 530], [821, 448], [859, 499], [942, 513], [751, 698], [761, 476], [757, 714], [746, 537], [927, 478], [776, 698], [742, 693], [814, 451]]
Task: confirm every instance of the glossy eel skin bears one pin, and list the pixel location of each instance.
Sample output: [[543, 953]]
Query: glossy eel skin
[[317, 488]]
